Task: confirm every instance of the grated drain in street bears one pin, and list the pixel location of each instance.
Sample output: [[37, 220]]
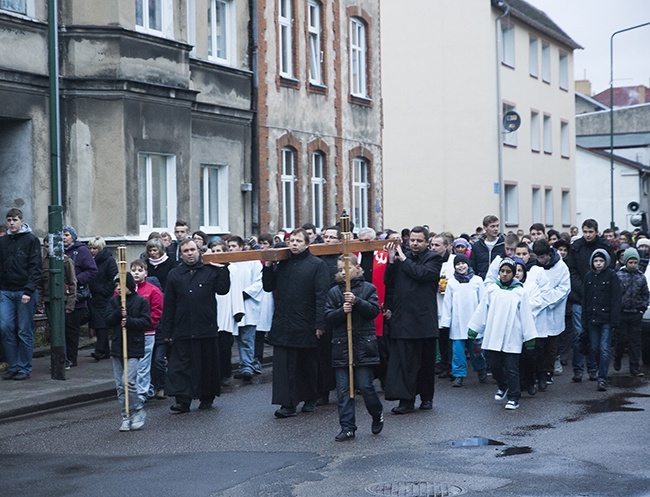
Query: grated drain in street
[[415, 489]]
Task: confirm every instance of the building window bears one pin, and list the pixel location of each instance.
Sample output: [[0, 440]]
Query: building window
[[285, 20], [507, 44], [17, 6], [509, 138], [512, 205], [315, 47], [546, 62], [564, 71], [288, 181], [220, 30], [358, 58], [533, 57], [213, 209], [156, 191], [148, 15], [548, 206], [566, 208], [537, 205], [534, 131], [317, 188], [548, 137], [360, 187], [564, 139]]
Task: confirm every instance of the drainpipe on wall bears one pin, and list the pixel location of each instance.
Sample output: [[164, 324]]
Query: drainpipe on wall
[[502, 208], [55, 211], [255, 156]]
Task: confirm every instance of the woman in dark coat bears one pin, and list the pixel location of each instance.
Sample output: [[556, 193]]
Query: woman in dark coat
[[101, 290]]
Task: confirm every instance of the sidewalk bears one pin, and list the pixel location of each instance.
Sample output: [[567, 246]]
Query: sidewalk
[[90, 380]]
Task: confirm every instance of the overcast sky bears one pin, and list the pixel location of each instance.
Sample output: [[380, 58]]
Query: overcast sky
[[591, 23]]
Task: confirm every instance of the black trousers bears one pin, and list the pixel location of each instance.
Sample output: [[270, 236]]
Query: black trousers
[[73, 323], [628, 334], [193, 370], [411, 369], [295, 374], [505, 370]]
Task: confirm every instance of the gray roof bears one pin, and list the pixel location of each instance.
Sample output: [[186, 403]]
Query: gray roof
[[538, 20]]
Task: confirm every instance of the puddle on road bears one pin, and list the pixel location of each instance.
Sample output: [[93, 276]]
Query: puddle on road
[[514, 451], [615, 403], [476, 442]]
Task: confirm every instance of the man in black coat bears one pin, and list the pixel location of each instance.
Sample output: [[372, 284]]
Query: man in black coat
[[412, 278], [300, 284], [486, 248], [579, 263], [189, 324]]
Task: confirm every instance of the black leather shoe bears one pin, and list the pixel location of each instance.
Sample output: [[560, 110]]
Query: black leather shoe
[[309, 406], [403, 409], [180, 408], [9, 375], [344, 436], [205, 406], [377, 424], [285, 412], [323, 401], [426, 405]]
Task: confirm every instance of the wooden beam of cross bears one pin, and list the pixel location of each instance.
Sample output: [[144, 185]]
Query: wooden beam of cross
[[281, 254]]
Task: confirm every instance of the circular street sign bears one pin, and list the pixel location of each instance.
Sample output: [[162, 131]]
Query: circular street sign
[[511, 121]]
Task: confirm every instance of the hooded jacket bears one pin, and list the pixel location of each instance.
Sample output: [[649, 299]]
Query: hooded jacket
[[20, 261], [84, 265], [634, 291], [482, 256], [579, 263], [601, 301]]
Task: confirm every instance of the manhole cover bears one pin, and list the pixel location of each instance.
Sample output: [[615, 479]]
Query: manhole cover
[[415, 489]]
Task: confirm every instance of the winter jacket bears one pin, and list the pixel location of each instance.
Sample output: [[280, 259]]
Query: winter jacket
[[69, 280], [579, 263], [601, 299], [154, 297], [413, 284], [189, 307], [634, 291], [300, 285], [84, 266], [364, 311], [138, 319], [20, 261], [482, 256], [102, 287]]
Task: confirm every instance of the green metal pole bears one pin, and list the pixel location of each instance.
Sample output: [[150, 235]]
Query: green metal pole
[[55, 211]]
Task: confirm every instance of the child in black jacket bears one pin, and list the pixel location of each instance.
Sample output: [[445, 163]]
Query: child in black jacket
[[601, 306], [136, 318]]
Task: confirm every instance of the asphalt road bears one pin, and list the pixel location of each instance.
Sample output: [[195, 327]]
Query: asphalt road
[[568, 441]]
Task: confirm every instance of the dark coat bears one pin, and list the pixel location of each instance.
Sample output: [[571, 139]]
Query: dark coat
[[364, 311], [601, 301], [20, 261], [579, 263], [190, 309], [413, 285], [102, 287], [634, 291], [300, 284], [161, 270], [138, 318], [481, 256], [84, 266]]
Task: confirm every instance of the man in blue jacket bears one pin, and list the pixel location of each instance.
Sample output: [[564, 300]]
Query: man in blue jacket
[[20, 274]]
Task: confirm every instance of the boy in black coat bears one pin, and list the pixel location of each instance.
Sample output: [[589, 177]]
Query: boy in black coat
[[601, 307], [362, 302], [136, 318]]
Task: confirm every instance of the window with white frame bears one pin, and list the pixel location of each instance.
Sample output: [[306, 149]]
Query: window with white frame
[[508, 44], [548, 207], [317, 188], [360, 187], [546, 62], [220, 30], [564, 140], [533, 56], [285, 20], [315, 47], [358, 57], [534, 131], [149, 15], [509, 138], [156, 191], [564, 71], [17, 6], [511, 204], [537, 205], [288, 186], [213, 209], [548, 136], [566, 208]]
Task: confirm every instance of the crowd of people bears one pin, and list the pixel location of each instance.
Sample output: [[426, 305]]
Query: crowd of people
[[518, 307]]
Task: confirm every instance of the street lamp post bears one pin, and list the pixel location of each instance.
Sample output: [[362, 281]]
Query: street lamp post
[[611, 115]]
